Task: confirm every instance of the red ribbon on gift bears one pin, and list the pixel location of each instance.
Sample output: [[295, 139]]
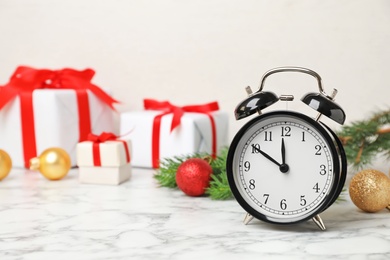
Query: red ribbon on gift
[[103, 137], [178, 112], [26, 79]]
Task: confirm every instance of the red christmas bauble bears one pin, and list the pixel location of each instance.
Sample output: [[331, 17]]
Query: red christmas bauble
[[193, 176]]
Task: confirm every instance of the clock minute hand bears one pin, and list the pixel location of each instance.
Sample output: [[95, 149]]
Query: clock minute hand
[[283, 152], [266, 155], [284, 167]]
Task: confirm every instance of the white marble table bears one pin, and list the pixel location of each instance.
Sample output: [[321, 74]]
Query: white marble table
[[41, 219]]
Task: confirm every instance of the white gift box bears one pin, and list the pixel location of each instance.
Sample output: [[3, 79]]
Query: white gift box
[[193, 135], [105, 175], [114, 168], [56, 122], [112, 153]]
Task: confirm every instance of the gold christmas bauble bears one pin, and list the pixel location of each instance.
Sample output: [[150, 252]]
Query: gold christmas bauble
[[370, 190], [5, 164], [54, 163]]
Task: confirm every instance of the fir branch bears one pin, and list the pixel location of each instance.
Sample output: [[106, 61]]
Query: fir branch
[[219, 186], [364, 140]]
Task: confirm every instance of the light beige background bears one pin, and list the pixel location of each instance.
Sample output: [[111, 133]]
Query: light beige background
[[199, 51]]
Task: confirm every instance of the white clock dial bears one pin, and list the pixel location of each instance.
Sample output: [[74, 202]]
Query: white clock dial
[[283, 167]]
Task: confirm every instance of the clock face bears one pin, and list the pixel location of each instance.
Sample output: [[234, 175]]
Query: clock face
[[283, 167]]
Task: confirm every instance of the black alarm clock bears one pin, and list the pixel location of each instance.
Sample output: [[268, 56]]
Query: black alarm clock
[[285, 167]]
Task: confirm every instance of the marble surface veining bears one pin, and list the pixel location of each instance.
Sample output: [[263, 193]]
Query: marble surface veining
[[41, 219]]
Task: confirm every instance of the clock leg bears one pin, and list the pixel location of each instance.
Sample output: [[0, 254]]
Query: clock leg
[[317, 219], [248, 218]]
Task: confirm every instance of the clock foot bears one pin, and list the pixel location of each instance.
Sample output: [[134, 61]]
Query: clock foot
[[248, 218], [317, 219]]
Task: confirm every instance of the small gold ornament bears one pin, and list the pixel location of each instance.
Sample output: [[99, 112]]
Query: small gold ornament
[[5, 164], [370, 190], [54, 163]]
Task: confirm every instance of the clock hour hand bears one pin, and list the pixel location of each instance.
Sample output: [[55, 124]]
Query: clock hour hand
[[283, 152], [266, 155]]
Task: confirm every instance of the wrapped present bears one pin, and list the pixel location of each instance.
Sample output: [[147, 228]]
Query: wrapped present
[[164, 130], [104, 159], [40, 109]]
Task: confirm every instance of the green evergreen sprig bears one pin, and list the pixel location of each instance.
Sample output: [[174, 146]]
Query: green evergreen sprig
[[219, 187], [366, 139]]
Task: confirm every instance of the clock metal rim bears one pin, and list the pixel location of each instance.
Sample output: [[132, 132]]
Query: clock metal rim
[[339, 167]]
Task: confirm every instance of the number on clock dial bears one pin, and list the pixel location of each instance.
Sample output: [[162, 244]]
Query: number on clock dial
[[283, 202]]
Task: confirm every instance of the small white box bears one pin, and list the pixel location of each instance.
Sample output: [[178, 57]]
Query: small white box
[[104, 175], [115, 167]]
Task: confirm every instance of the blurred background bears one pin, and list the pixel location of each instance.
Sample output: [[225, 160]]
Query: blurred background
[[192, 52]]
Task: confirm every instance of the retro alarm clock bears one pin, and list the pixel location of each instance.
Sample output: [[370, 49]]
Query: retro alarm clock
[[285, 167]]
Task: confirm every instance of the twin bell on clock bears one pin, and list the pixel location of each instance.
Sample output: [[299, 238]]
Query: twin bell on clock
[[285, 167]]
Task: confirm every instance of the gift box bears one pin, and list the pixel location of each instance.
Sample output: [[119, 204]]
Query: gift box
[[105, 175], [104, 159], [40, 109], [165, 130]]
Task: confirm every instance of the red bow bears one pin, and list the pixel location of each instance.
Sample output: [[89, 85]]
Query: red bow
[[168, 108], [103, 137], [178, 112], [27, 79]]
